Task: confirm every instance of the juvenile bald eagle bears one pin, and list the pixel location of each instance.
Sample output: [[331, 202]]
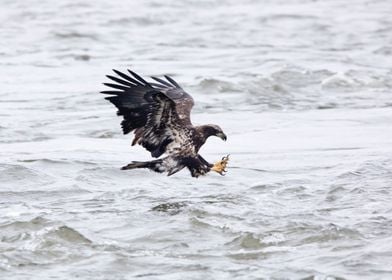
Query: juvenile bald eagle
[[159, 114]]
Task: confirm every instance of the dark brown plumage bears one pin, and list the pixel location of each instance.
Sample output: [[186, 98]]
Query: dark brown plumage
[[159, 114]]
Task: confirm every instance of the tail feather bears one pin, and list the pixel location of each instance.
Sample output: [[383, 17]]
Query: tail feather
[[135, 164], [155, 165]]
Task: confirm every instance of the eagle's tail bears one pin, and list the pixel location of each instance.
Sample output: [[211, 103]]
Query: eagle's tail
[[155, 165], [135, 164], [166, 164]]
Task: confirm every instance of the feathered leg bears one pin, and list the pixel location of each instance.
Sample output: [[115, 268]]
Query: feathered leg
[[197, 165]]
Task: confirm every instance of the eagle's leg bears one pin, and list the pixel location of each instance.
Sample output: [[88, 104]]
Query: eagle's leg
[[198, 166], [220, 166]]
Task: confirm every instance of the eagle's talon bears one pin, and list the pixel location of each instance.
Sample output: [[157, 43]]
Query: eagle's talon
[[220, 166]]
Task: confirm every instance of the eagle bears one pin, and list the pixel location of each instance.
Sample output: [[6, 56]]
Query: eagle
[[158, 112]]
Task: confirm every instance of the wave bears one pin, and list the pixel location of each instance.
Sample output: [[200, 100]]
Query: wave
[[296, 88], [41, 241]]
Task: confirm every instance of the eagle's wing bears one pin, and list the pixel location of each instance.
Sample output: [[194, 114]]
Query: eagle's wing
[[157, 112]]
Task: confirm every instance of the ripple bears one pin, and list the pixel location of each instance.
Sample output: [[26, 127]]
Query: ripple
[[75, 35], [171, 208], [247, 241], [214, 85], [331, 233], [340, 82], [40, 241], [17, 177]]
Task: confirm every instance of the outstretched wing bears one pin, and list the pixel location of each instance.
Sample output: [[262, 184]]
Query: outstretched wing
[[156, 111]]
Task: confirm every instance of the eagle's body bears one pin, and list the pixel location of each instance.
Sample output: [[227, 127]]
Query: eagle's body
[[159, 114]]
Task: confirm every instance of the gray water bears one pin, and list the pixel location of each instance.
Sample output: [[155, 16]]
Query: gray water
[[303, 89]]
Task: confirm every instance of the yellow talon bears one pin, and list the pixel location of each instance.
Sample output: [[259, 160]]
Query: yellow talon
[[220, 166]]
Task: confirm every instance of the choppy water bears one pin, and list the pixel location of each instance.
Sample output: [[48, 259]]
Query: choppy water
[[302, 88]]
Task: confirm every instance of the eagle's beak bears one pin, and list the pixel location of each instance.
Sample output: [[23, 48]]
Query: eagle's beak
[[222, 136]]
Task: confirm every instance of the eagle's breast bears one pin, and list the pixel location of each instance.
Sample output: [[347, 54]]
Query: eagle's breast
[[182, 140]]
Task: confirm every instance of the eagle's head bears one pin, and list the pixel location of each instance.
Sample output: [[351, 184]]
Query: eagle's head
[[212, 130]]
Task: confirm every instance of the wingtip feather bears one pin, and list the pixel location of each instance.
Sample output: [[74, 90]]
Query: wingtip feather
[[139, 78], [163, 82], [172, 81]]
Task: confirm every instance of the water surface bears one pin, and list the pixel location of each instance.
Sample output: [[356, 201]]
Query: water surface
[[301, 88]]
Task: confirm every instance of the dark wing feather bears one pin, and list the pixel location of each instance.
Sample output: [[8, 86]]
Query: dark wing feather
[[184, 102], [126, 77], [163, 82], [155, 111], [173, 82], [122, 82], [120, 87], [141, 80]]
